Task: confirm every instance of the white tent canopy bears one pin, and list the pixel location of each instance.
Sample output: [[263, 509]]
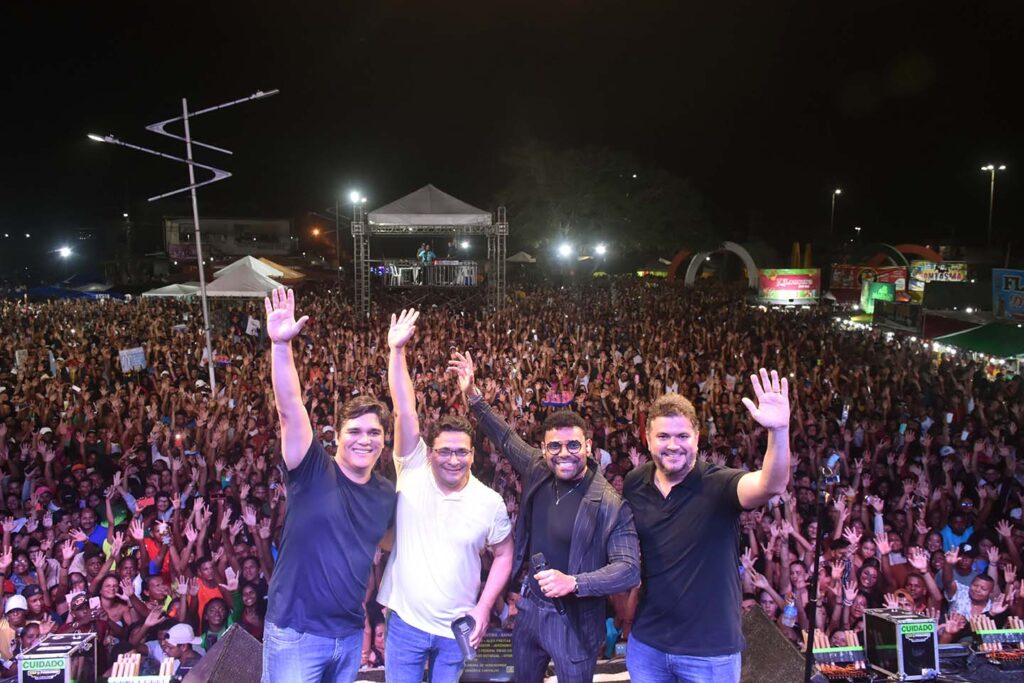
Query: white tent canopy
[[176, 290], [429, 206], [250, 263], [241, 282], [521, 257]]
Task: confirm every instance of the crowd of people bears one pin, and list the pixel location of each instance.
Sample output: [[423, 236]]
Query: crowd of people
[[148, 507]]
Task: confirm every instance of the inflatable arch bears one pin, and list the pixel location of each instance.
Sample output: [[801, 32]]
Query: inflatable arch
[[698, 259], [924, 253]]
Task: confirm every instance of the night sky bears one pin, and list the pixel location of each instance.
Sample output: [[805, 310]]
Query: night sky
[[764, 105]]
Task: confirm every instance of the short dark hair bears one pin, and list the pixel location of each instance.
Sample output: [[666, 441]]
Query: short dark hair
[[361, 405], [986, 577], [672, 405], [563, 418], [450, 423]]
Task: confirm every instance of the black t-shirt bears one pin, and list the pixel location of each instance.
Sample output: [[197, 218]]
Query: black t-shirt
[[551, 524], [331, 532], [690, 590]]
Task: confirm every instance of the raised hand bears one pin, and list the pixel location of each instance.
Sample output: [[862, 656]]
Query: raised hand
[[78, 535], [181, 586], [190, 533], [403, 327], [282, 326], [953, 556], [127, 590], [993, 554], [851, 535], [1004, 529], [232, 580], [772, 408], [882, 542], [955, 622], [264, 529], [891, 601], [68, 550], [6, 558], [249, 515], [136, 530], [462, 365], [918, 559]]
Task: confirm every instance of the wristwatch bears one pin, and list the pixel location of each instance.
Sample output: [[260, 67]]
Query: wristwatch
[[475, 395], [576, 586]]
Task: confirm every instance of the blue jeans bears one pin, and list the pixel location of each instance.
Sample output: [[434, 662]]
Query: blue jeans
[[293, 657], [649, 665], [408, 651]]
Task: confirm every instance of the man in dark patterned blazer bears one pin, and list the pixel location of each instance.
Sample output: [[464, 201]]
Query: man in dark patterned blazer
[[583, 528]]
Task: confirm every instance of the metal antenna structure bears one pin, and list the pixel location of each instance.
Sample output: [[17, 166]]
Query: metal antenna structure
[[218, 174]]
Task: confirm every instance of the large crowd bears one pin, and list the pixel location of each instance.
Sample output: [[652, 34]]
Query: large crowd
[[147, 508]]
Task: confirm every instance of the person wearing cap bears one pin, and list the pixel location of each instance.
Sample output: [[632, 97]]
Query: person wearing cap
[[959, 570], [338, 512], [179, 644], [445, 518], [37, 601], [15, 616]]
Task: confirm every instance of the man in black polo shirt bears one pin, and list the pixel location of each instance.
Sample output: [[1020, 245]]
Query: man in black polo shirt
[[687, 625], [338, 512]]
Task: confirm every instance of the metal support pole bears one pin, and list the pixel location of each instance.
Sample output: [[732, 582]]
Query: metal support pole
[[991, 203], [199, 247]]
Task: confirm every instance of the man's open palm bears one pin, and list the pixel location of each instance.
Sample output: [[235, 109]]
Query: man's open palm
[[772, 408], [281, 324], [402, 328]]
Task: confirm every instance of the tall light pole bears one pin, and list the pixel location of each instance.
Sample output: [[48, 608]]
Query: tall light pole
[[832, 216], [991, 169]]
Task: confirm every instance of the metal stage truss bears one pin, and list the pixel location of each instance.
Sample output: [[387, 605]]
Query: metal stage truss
[[496, 233]]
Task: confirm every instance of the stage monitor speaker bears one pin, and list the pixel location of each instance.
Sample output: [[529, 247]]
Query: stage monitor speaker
[[769, 657], [236, 658]]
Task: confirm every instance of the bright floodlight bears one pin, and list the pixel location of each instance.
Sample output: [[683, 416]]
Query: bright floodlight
[[837, 191], [601, 250], [564, 249], [465, 244], [353, 196], [96, 138], [65, 252], [124, 215]]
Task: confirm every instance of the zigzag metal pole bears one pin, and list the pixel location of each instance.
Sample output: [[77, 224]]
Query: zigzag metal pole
[[218, 174]]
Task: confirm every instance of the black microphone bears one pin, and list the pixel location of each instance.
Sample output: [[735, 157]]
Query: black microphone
[[540, 564]]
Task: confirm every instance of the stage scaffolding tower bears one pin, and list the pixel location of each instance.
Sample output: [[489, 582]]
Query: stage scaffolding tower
[[496, 233]]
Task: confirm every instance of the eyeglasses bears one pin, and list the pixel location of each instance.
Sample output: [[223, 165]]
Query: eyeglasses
[[446, 453], [555, 447]]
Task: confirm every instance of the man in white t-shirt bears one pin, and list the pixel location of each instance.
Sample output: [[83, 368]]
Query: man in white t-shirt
[[445, 519]]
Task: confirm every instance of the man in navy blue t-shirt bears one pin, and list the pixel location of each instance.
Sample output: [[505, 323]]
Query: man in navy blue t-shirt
[[338, 512]]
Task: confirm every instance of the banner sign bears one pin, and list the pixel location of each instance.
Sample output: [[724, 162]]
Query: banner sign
[[1008, 293], [923, 272], [493, 662], [252, 328], [898, 315], [132, 359], [845, 276], [787, 285], [181, 251], [874, 291]]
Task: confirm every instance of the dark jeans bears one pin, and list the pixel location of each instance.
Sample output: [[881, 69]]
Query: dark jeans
[[542, 635]]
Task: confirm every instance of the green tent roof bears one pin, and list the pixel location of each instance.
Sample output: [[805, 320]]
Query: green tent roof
[[1003, 340]]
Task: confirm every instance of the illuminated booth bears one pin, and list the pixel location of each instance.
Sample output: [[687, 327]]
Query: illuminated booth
[[429, 212]]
